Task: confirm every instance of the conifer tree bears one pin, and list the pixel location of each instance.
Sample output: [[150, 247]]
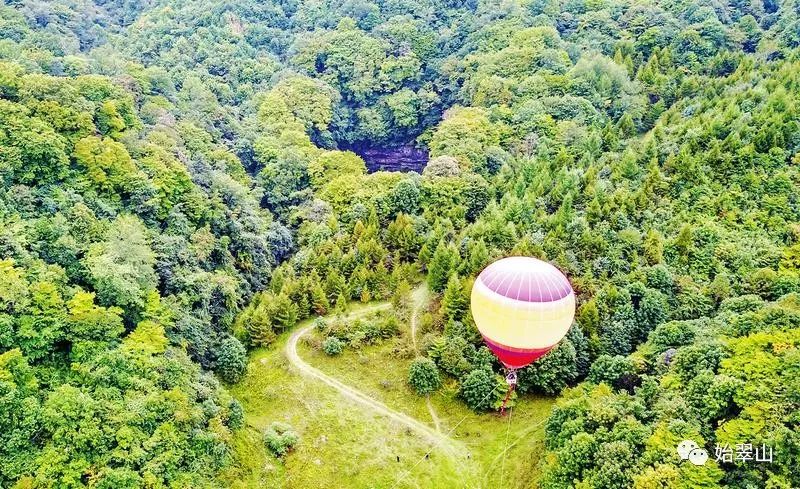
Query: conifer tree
[[440, 267], [454, 301], [285, 312], [319, 301]]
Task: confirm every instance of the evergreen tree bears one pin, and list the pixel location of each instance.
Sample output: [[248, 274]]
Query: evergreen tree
[[401, 299], [231, 360], [341, 303], [454, 300], [285, 312], [440, 267], [423, 376], [319, 301]]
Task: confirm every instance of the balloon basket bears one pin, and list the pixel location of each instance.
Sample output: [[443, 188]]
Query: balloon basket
[[511, 380]]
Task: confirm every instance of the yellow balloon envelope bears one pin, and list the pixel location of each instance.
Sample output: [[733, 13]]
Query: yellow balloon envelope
[[523, 307]]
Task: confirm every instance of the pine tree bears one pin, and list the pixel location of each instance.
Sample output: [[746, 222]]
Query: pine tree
[[341, 303], [424, 257], [653, 247], [358, 230], [401, 235], [319, 301], [454, 302], [365, 295], [478, 257], [440, 267], [423, 376], [684, 241], [589, 317], [380, 281], [335, 285], [285, 312], [358, 282], [258, 324], [626, 126]]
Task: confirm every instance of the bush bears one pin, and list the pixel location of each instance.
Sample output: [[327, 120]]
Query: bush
[[423, 376], [320, 324], [610, 369], [332, 346], [482, 389], [235, 415], [672, 335], [551, 373], [280, 438], [231, 360]]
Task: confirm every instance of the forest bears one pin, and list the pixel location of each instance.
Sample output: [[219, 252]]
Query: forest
[[189, 186]]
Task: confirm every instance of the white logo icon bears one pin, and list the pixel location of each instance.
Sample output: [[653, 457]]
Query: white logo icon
[[691, 451], [698, 456], [685, 447]]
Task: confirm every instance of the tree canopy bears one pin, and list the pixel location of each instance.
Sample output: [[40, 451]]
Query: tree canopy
[[182, 181]]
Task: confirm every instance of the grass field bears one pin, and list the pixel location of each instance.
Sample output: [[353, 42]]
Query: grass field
[[344, 445]]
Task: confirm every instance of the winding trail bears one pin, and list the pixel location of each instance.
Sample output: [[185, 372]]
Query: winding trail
[[420, 298], [453, 447]]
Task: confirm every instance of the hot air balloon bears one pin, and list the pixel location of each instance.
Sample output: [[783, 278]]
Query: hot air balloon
[[523, 307]]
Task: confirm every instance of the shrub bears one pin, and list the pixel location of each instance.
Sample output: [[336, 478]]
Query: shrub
[[483, 390], [610, 369], [235, 415], [231, 360], [280, 438], [423, 376], [332, 346], [320, 324]]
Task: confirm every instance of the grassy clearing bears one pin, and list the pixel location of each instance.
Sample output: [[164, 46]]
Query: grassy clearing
[[341, 445], [380, 372], [345, 445]]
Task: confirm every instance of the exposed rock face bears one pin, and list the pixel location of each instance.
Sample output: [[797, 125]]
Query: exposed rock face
[[401, 158]]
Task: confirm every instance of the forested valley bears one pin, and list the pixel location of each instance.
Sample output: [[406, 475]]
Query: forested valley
[[183, 183]]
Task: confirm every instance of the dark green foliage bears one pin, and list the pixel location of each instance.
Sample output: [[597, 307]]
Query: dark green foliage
[[423, 376], [332, 346], [454, 300], [672, 335], [551, 373], [441, 267], [610, 370], [705, 393], [454, 354], [202, 191], [481, 389], [231, 360], [235, 415]]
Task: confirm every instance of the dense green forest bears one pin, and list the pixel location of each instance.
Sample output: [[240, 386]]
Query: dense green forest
[[179, 187]]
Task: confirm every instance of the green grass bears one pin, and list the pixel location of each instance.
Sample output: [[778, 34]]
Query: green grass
[[344, 445], [381, 373]]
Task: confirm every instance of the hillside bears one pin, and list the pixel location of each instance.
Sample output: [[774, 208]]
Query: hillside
[[183, 182]]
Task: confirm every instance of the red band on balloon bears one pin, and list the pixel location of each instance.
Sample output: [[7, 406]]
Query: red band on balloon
[[515, 357]]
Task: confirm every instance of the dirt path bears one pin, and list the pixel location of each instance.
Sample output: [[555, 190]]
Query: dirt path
[[419, 298], [438, 439], [434, 417]]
